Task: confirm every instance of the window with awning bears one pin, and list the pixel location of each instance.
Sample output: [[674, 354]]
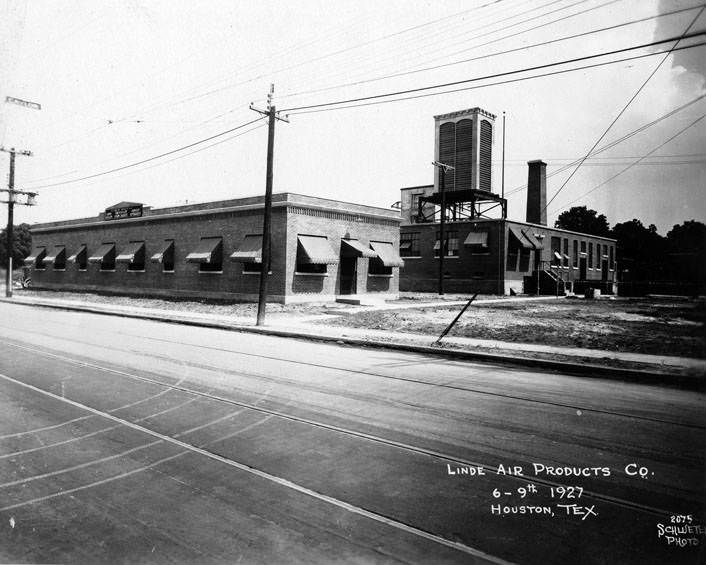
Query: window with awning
[[387, 254], [249, 251], [80, 257], [165, 256], [57, 256], [315, 250], [36, 257], [105, 255], [520, 239], [133, 255], [208, 254], [353, 248], [477, 239], [314, 254]]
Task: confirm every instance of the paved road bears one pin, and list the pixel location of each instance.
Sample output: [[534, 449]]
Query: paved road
[[130, 441]]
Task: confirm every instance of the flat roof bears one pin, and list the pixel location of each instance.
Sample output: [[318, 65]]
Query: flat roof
[[514, 222], [279, 199]]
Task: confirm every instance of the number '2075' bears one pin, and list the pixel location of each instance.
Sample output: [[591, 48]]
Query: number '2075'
[[681, 519]]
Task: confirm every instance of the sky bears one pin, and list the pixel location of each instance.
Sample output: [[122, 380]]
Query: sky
[[125, 81]]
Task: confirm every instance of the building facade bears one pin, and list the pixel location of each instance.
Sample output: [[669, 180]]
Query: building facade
[[498, 256], [489, 254], [321, 249]]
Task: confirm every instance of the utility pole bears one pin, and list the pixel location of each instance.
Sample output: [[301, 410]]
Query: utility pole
[[442, 220], [271, 113], [11, 195]]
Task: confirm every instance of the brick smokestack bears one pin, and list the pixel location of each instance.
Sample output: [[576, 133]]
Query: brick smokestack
[[537, 192]]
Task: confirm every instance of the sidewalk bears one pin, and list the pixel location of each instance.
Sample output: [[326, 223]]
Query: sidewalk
[[587, 362]]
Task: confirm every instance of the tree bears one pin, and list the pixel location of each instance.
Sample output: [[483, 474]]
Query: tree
[[686, 248], [640, 251], [688, 237], [22, 245], [581, 219]]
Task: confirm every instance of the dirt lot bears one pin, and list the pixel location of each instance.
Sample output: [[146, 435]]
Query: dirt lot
[[657, 326], [660, 326]]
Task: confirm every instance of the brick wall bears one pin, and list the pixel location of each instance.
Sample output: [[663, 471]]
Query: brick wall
[[335, 228], [186, 229], [496, 269], [186, 280]]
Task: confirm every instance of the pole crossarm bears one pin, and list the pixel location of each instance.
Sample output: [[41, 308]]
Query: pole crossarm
[[284, 118], [444, 166], [24, 152]]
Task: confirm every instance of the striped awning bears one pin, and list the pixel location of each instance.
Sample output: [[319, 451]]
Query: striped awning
[[387, 253], [38, 254], [208, 251], [536, 242], [477, 239], [250, 251], [520, 238], [353, 247], [315, 250], [167, 247], [57, 255], [132, 251], [76, 257], [100, 254]]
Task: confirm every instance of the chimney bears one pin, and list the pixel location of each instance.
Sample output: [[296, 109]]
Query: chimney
[[537, 192]]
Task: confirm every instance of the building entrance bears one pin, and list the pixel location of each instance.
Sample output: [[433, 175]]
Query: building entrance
[[348, 271], [582, 269]]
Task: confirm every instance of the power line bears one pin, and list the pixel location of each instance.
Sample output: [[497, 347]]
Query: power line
[[634, 163], [102, 173], [637, 92], [161, 163], [497, 75], [435, 39], [505, 52], [284, 51], [618, 140], [508, 81], [324, 56]]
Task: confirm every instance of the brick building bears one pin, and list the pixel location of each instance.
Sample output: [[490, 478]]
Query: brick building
[[321, 249], [483, 253]]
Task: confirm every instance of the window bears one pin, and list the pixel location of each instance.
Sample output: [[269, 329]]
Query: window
[[612, 259], [576, 254], [80, 257], [377, 267], [249, 253], [208, 254], [409, 244], [314, 254], [36, 258], [165, 256], [556, 251], [104, 256], [58, 257], [450, 244], [590, 255], [583, 247], [477, 241], [414, 206], [133, 255], [386, 258], [566, 252], [598, 255]]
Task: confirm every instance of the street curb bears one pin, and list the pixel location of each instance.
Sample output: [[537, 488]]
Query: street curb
[[692, 382]]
